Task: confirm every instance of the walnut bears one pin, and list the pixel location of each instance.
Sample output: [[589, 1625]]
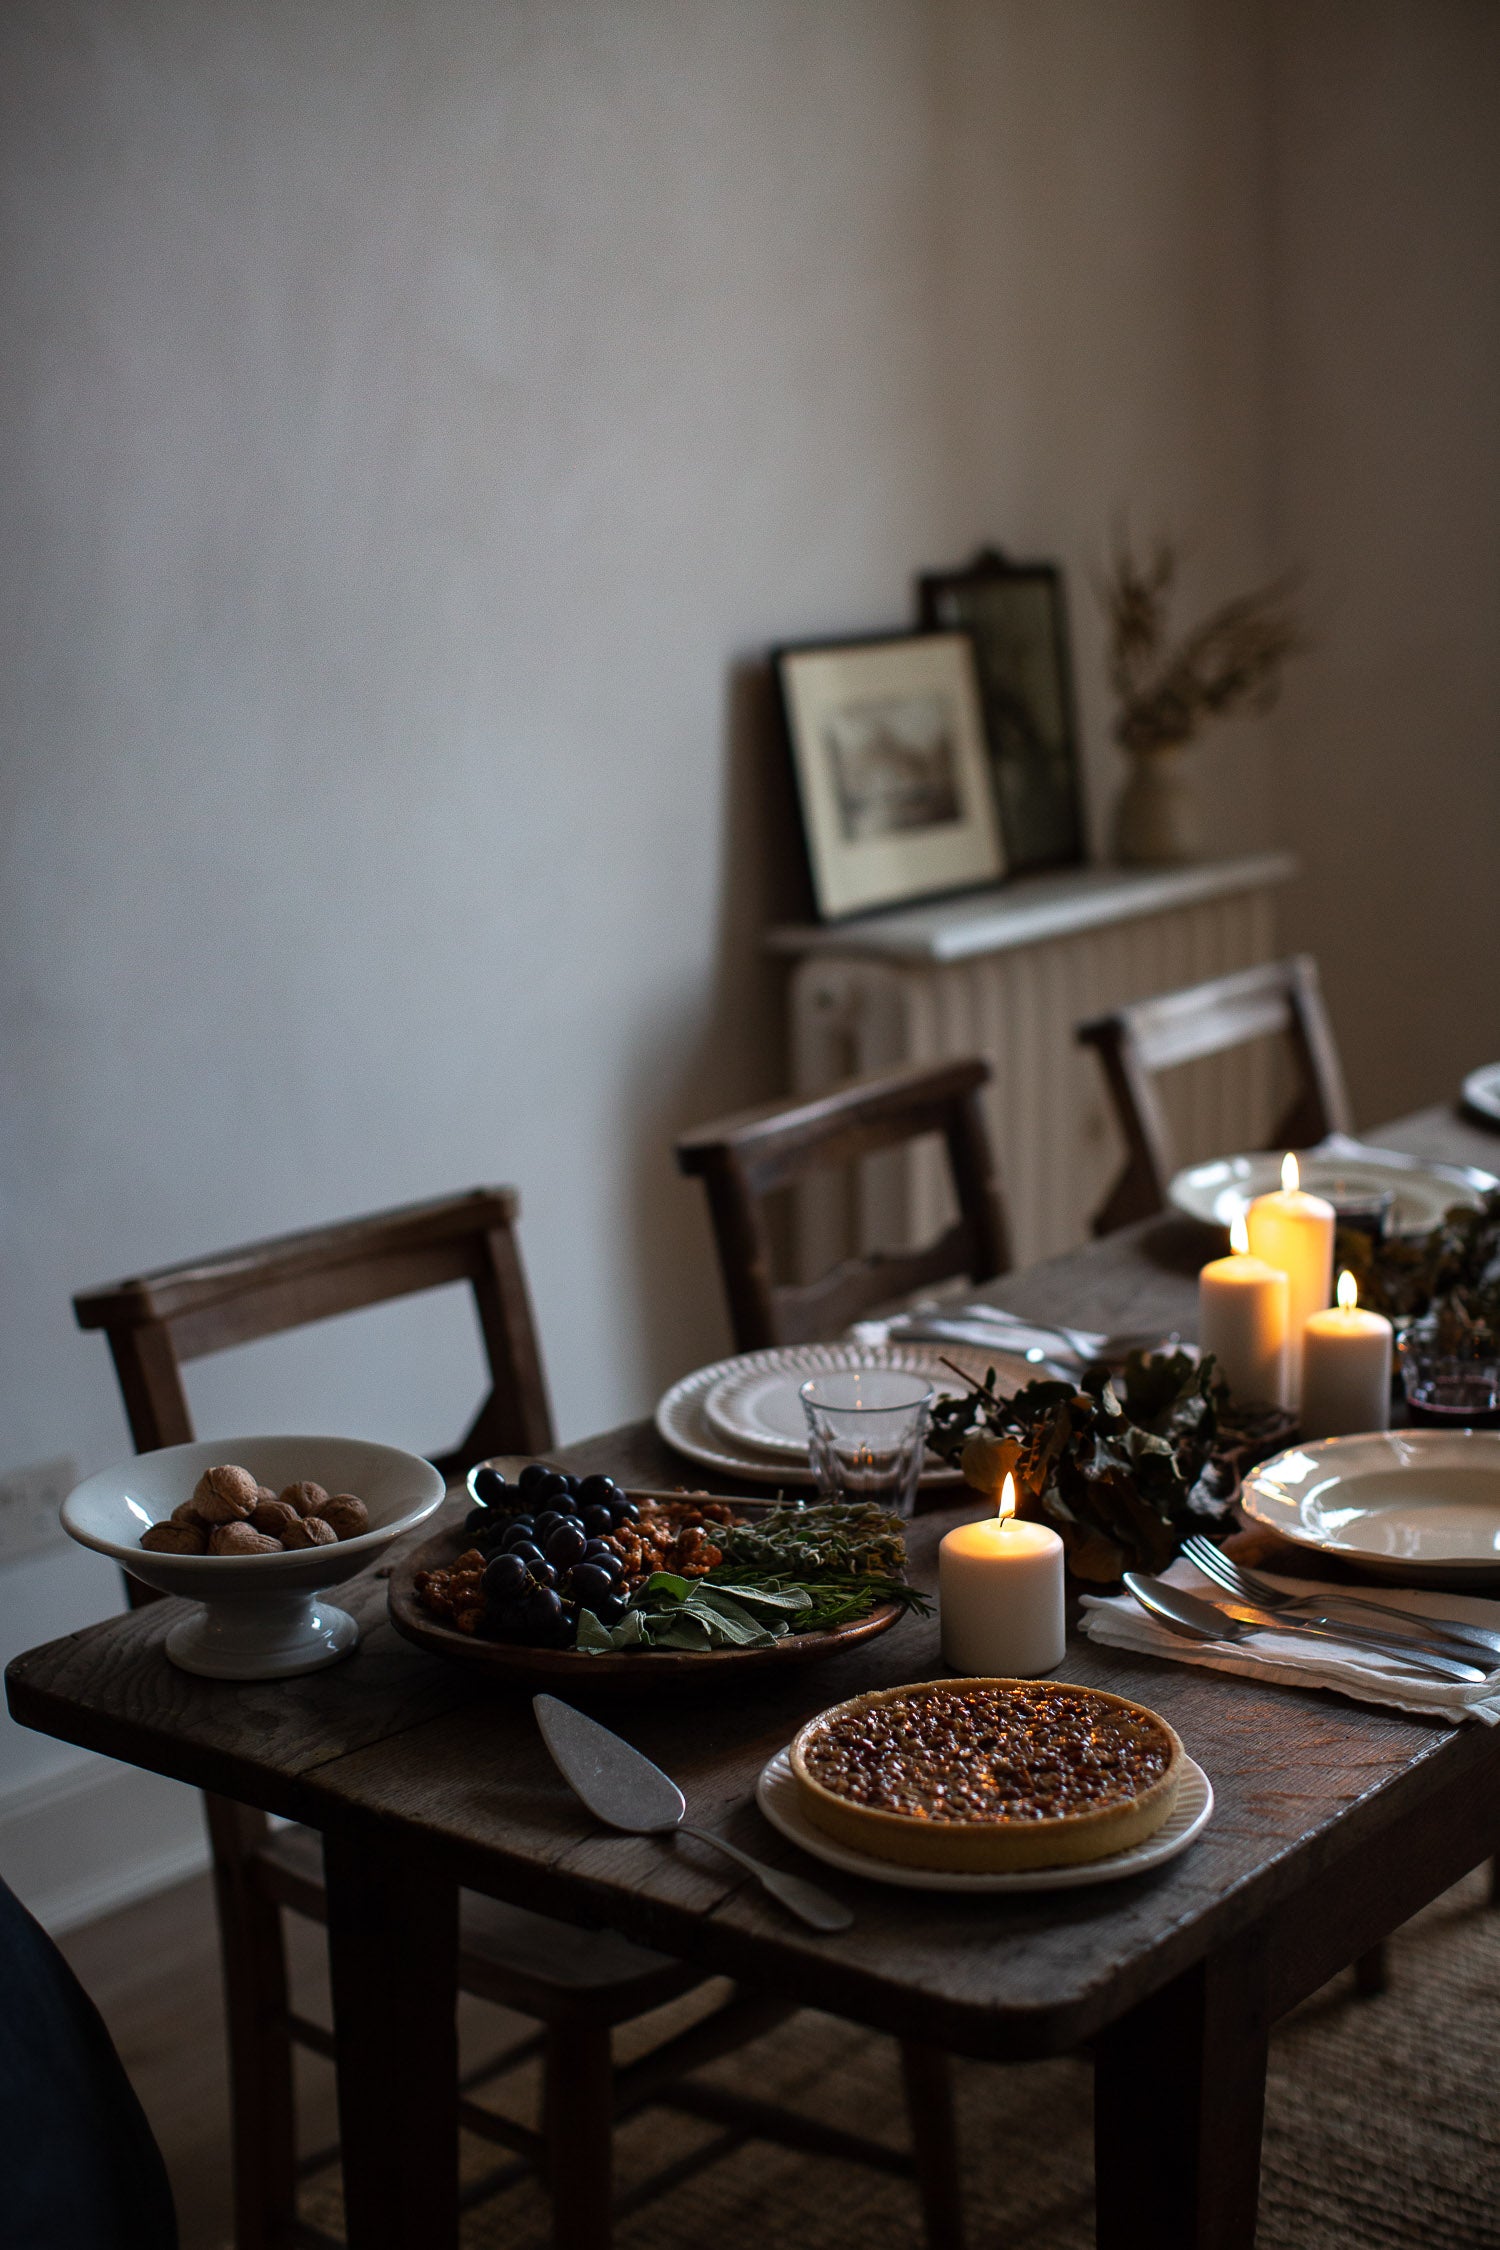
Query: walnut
[[263, 1492], [175, 1539], [348, 1515], [307, 1498], [308, 1531], [239, 1539], [272, 1517], [224, 1494], [185, 1512]]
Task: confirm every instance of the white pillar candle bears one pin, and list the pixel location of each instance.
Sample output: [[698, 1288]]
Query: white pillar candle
[[1294, 1233], [1000, 1596], [1242, 1320], [1346, 1369]]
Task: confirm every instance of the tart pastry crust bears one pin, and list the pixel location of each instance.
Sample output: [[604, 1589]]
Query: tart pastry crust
[[985, 1776]]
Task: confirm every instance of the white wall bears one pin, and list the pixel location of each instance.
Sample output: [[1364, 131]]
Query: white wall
[[1386, 458], [418, 415]]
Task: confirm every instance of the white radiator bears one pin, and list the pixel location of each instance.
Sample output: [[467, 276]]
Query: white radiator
[[1008, 976]]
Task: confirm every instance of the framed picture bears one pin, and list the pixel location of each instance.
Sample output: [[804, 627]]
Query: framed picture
[[1014, 614], [887, 741]]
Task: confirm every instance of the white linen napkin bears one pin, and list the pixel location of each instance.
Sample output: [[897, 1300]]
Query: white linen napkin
[[1119, 1621]]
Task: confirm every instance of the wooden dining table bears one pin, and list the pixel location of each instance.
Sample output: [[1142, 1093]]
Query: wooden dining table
[[1334, 1822]]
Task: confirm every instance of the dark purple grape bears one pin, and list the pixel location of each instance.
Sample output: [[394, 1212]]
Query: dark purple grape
[[505, 1580], [511, 1620], [490, 1488], [477, 1520], [530, 1554], [588, 1584], [597, 1520], [611, 1609], [548, 1489], [534, 1473], [543, 1612], [565, 1546], [599, 1492], [546, 1574], [599, 1550], [624, 1511], [523, 1524], [547, 1522], [574, 1485]]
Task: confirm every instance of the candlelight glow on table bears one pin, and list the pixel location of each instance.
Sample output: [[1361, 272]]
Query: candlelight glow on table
[[1346, 1369], [1000, 1595], [1242, 1320], [1293, 1234]]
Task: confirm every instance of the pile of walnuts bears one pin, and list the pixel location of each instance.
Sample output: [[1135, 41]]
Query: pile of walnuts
[[230, 1514]]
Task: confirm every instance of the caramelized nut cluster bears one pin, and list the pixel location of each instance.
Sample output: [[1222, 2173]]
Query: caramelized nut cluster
[[985, 1753]]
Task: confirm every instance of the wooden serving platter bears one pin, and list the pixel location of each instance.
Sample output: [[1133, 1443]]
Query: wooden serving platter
[[507, 1663]]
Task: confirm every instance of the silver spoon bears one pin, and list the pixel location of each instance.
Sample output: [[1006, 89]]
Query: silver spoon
[[1204, 1621], [626, 1791]]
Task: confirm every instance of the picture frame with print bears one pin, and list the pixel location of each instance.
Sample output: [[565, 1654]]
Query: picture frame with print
[[1016, 616], [886, 735]]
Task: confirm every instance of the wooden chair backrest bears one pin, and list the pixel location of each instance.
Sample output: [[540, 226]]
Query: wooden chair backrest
[[746, 1158], [156, 1321], [1135, 1043]]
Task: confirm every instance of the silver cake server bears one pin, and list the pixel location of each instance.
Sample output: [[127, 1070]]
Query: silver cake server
[[624, 1790]]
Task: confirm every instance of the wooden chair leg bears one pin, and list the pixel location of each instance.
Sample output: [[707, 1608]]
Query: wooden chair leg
[[263, 2130], [928, 2076], [1372, 1972], [577, 2122]]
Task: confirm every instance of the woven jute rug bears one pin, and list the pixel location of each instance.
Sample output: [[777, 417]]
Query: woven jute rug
[[1382, 2132]]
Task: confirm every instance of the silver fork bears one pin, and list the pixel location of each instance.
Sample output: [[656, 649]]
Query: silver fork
[[1250, 1586]]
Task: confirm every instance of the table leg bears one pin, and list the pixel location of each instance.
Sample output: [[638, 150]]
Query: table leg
[[392, 1955], [1179, 2099]]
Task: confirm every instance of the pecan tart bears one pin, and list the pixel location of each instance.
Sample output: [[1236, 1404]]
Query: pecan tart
[[985, 1776]]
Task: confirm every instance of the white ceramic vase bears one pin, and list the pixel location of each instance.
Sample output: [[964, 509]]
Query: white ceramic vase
[[1159, 820]]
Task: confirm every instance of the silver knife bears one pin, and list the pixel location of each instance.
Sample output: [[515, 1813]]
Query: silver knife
[[624, 1790], [1213, 1621]]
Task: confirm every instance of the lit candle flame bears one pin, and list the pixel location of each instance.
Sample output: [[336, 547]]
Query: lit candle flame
[[1239, 1236], [1006, 1506], [1348, 1292], [1291, 1178]]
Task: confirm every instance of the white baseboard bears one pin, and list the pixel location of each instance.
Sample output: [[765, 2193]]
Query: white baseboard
[[80, 1843]]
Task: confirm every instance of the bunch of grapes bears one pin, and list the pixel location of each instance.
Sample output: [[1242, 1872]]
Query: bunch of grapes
[[545, 1544]]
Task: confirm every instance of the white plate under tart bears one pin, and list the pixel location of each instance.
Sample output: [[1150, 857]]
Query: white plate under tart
[[780, 1800], [682, 1418], [988, 1847], [1424, 1189], [1419, 1506]]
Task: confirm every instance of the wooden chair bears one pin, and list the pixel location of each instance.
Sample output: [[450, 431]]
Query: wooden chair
[[576, 1985], [746, 1158], [1149, 1036]]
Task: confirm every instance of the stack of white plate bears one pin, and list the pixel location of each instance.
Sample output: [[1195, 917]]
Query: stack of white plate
[[744, 1416]]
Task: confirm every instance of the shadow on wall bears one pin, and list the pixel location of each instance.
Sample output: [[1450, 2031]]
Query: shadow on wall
[[728, 1046]]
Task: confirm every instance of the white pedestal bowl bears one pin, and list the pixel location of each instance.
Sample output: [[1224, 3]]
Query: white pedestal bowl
[[257, 1617]]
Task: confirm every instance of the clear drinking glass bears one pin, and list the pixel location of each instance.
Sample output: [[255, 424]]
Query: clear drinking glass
[[1450, 1387], [867, 1432]]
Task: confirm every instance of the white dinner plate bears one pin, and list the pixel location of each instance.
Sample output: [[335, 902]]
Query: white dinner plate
[[682, 1417], [1422, 1506], [761, 1407], [1482, 1091], [777, 1795], [1219, 1191]]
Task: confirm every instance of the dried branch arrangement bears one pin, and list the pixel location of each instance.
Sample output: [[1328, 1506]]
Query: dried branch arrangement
[[1231, 661]]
